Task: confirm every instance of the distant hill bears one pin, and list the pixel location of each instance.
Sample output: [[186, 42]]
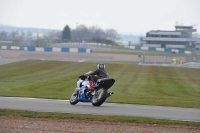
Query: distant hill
[[8, 28]]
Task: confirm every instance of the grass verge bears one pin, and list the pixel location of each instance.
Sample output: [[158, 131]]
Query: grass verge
[[135, 84], [123, 50], [22, 44]]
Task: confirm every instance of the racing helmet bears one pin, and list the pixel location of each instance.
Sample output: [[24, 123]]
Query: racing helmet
[[101, 66]]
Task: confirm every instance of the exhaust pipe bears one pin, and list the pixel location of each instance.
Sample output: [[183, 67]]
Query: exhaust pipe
[[110, 94]]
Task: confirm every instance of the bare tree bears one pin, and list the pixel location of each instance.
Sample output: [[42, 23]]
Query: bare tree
[[22, 36], [15, 35], [111, 33], [3, 35], [29, 35], [83, 33]]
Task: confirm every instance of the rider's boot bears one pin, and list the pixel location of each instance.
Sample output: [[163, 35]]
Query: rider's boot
[[93, 93]]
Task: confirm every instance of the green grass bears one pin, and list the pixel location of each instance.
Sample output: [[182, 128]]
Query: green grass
[[21, 44], [115, 62], [31, 114], [141, 52], [149, 85], [11, 44], [136, 52]]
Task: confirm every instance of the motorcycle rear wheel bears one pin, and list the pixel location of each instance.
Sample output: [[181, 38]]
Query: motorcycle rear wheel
[[100, 97], [74, 98]]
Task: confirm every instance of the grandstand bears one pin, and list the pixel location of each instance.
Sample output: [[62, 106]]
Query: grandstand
[[180, 38]]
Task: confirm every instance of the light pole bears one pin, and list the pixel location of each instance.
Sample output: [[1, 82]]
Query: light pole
[[77, 31]]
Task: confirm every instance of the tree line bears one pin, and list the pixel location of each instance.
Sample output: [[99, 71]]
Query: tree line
[[89, 34], [81, 33]]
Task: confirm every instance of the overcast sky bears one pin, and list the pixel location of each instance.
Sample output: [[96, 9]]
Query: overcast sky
[[126, 16]]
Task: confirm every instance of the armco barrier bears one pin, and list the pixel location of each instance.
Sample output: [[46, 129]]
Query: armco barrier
[[47, 49]]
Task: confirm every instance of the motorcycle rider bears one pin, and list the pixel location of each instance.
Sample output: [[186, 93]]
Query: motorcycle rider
[[93, 77], [99, 73]]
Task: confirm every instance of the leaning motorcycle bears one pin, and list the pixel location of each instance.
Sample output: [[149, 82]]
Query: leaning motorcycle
[[97, 96]]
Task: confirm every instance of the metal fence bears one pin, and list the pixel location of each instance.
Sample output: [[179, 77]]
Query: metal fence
[[192, 60]]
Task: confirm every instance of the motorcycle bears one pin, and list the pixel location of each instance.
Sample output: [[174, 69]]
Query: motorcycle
[[96, 96]]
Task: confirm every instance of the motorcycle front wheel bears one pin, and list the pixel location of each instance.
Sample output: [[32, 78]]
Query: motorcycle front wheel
[[74, 98], [99, 97]]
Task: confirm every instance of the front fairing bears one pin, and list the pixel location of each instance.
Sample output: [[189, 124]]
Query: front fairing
[[82, 83], [82, 97]]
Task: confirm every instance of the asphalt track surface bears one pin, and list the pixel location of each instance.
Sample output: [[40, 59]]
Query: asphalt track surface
[[63, 106]]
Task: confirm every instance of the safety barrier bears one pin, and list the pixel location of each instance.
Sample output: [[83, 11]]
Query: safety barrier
[[47, 49]]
